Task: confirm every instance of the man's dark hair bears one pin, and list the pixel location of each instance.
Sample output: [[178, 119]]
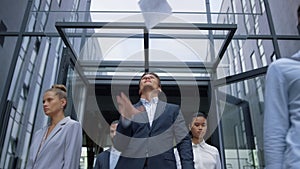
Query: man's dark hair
[[151, 73]]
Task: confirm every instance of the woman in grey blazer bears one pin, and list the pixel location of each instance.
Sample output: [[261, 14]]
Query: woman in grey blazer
[[58, 145]]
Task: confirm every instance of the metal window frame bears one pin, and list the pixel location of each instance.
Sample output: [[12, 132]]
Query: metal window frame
[[231, 28]]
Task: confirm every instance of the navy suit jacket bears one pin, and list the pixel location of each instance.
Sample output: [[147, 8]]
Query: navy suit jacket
[[102, 161], [141, 144]]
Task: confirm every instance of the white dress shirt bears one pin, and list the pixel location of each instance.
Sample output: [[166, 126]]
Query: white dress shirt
[[113, 157], [150, 108], [205, 156]]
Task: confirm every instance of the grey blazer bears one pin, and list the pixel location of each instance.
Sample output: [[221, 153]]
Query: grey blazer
[[61, 149]]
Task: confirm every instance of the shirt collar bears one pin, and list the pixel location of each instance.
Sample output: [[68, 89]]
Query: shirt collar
[[145, 101], [114, 150], [61, 122], [200, 144]]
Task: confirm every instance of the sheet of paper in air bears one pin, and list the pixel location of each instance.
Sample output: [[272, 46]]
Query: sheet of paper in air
[[154, 11]]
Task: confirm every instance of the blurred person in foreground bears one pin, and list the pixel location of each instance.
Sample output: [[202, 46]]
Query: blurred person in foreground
[[282, 113]]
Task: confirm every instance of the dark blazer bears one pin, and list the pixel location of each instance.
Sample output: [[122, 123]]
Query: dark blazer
[[143, 145], [102, 161]]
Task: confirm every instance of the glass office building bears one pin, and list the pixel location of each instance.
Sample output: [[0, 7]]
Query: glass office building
[[211, 55]]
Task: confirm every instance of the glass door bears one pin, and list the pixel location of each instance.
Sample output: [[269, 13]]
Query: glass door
[[70, 75], [241, 120]]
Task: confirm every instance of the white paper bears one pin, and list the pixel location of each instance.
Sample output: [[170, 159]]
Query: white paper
[[154, 11]]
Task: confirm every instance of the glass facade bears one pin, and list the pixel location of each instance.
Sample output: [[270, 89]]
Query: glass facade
[[242, 121], [43, 42]]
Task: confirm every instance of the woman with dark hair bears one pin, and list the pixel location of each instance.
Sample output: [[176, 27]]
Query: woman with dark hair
[[205, 155], [58, 145]]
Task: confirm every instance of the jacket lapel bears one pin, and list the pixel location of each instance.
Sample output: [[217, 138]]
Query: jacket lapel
[[39, 137], [56, 130], [143, 116]]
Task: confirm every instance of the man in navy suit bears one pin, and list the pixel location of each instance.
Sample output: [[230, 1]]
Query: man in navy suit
[[149, 129], [108, 159]]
